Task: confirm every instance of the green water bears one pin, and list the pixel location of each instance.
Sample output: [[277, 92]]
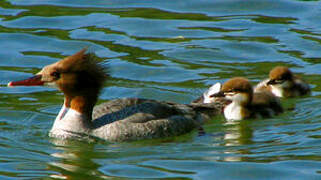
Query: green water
[[165, 50]]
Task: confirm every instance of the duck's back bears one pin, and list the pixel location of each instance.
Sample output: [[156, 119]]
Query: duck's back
[[266, 104], [134, 119], [301, 87]]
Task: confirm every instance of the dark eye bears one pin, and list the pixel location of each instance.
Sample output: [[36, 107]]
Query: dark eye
[[56, 74], [279, 81]]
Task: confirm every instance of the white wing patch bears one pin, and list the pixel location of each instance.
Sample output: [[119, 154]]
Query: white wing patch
[[212, 90]]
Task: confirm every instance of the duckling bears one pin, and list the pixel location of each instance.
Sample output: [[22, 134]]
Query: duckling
[[245, 103], [283, 83]]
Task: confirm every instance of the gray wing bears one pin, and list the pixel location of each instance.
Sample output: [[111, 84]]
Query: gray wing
[[116, 105], [133, 119]]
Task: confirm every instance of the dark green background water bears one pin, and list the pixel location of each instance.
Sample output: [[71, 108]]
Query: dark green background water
[[166, 50]]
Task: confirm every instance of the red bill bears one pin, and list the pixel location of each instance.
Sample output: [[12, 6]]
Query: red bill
[[33, 81]]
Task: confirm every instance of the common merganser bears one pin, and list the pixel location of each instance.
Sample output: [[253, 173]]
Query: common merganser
[[81, 79], [245, 103], [283, 83]]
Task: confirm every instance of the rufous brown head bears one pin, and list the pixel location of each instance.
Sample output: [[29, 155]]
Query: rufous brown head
[[73, 75]]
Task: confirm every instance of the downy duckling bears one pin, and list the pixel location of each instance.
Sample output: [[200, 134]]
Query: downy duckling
[[245, 103], [283, 83]]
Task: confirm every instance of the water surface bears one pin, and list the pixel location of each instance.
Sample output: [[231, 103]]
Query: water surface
[[164, 50]]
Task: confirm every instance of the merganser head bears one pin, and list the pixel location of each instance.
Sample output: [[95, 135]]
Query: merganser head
[[280, 77], [238, 90], [74, 75]]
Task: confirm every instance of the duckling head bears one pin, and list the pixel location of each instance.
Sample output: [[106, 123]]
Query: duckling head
[[280, 77], [238, 90]]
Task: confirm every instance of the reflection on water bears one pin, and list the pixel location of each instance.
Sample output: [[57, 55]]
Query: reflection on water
[[74, 160], [238, 133], [164, 50]]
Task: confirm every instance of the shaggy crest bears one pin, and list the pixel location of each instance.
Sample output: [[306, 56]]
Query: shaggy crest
[[82, 70]]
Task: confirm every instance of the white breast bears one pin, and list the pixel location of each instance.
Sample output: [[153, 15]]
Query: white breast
[[233, 112], [277, 91], [68, 123]]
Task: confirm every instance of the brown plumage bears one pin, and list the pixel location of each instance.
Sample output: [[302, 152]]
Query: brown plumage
[[79, 73], [237, 84], [280, 73], [283, 83], [263, 102]]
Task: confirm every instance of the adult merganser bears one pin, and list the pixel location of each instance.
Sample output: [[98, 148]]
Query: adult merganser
[[81, 78], [283, 83], [245, 103]]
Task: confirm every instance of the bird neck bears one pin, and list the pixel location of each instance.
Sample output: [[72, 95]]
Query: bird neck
[[243, 99], [238, 109], [74, 117], [82, 104]]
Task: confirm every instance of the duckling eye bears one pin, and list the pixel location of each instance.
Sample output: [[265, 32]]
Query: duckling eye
[[279, 81], [55, 74]]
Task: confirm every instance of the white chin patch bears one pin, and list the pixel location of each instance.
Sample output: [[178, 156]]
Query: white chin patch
[[238, 97], [51, 84], [212, 90], [277, 91]]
